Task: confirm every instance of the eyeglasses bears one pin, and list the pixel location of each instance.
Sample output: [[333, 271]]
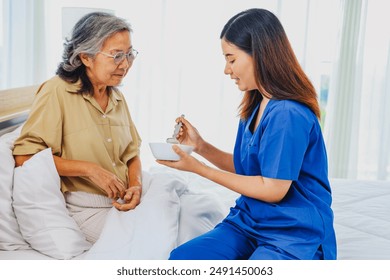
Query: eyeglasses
[[120, 56]]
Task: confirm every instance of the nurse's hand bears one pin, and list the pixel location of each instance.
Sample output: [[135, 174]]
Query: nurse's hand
[[186, 162], [189, 135]]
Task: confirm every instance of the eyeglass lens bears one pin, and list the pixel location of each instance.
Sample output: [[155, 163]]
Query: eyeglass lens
[[119, 57]]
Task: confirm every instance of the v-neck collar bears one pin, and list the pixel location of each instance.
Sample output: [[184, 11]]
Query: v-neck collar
[[113, 99], [253, 116], [251, 119]]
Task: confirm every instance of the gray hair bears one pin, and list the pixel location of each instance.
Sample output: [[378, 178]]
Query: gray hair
[[88, 36]]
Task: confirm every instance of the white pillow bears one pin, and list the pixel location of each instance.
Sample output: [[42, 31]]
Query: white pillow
[[10, 236], [41, 212], [202, 207], [199, 213]]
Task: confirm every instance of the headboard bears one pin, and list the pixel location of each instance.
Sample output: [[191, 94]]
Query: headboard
[[14, 106]]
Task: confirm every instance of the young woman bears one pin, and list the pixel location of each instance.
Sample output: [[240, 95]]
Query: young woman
[[279, 163]]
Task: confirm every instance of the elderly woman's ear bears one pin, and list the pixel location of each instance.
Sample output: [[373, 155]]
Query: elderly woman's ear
[[86, 59]]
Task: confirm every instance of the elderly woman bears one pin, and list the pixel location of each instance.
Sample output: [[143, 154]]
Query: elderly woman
[[84, 119]]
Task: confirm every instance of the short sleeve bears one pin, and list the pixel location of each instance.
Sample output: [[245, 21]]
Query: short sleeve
[[133, 149], [284, 142], [43, 127]]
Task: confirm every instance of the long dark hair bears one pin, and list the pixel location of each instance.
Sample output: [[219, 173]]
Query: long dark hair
[[278, 73], [88, 36]]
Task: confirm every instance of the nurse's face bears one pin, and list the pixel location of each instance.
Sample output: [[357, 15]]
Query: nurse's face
[[239, 66]]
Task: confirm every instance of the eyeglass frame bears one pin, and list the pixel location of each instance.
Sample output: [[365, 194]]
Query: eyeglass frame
[[130, 56]]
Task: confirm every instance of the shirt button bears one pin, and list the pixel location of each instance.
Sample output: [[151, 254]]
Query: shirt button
[[113, 164], [109, 140], [104, 116]]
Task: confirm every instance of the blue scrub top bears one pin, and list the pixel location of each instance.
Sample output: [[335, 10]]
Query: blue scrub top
[[287, 144]]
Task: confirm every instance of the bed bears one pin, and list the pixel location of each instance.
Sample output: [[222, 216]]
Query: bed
[[176, 206]]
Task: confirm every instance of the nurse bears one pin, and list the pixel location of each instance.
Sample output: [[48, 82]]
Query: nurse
[[279, 162]]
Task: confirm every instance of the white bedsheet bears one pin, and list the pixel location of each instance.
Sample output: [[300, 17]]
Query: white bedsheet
[[362, 219]]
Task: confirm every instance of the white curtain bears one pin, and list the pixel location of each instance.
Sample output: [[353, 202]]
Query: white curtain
[[22, 42], [357, 125]]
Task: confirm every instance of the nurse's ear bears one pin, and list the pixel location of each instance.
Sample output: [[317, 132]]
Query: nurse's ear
[[86, 59]]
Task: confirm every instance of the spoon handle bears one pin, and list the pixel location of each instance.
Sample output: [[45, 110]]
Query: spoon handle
[[177, 128]]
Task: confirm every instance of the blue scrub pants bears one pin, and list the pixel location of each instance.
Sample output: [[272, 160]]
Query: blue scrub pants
[[226, 242]]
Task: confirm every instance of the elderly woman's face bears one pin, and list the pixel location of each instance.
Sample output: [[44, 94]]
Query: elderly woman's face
[[102, 70]]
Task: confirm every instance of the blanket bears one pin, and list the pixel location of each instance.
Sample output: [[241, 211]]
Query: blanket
[[175, 207]]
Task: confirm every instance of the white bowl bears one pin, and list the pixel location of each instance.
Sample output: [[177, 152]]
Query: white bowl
[[164, 151]]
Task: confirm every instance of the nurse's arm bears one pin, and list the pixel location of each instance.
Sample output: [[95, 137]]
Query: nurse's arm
[[258, 187], [219, 158]]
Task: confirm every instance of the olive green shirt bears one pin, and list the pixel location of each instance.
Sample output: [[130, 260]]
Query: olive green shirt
[[75, 128]]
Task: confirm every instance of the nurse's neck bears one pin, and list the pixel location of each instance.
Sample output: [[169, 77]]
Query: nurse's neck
[[263, 105]]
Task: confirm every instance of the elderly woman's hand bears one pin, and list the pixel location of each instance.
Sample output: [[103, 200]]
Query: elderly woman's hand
[[108, 182], [131, 199]]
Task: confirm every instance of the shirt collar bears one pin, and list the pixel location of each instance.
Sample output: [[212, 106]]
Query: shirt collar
[[74, 87], [113, 98]]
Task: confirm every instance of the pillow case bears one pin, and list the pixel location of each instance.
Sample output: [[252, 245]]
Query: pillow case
[[10, 236], [202, 207], [199, 213], [41, 212]]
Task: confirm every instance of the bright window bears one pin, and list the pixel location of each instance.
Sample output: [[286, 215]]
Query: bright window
[[2, 23]]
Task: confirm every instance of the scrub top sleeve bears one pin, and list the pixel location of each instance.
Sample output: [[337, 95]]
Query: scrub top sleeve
[[284, 142], [43, 127]]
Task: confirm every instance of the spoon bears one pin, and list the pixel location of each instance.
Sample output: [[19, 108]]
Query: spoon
[[173, 140]]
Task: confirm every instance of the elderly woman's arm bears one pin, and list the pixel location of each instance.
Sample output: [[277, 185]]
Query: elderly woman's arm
[[134, 190], [135, 172], [104, 179]]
